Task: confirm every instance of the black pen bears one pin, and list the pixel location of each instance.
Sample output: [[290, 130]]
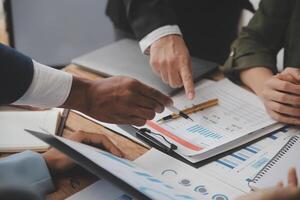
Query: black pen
[[179, 112]]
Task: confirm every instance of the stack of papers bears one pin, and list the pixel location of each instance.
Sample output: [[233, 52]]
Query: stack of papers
[[238, 119]]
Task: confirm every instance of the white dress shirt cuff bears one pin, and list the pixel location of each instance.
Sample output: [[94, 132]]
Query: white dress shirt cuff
[[149, 39], [49, 87]]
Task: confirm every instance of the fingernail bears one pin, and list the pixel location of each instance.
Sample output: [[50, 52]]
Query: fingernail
[[159, 109], [191, 95], [171, 103]]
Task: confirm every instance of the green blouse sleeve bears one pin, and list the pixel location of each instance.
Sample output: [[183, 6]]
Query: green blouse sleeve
[[259, 43]]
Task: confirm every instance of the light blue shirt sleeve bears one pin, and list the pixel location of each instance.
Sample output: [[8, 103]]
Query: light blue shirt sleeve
[[28, 169]]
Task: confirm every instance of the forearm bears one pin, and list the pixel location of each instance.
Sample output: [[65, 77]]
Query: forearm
[[77, 98], [255, 78]]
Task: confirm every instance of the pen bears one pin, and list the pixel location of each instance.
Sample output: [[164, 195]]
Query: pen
[[63, 121], [193, 109], [178, 112]]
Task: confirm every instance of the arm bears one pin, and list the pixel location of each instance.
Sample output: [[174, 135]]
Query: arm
[[146, 16], [14, 66], [155, 26], [26, 169], [253, 61], [119, 100], [259, 43], [28, 173]]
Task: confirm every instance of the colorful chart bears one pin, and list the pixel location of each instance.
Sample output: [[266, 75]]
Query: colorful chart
[[197, 129]]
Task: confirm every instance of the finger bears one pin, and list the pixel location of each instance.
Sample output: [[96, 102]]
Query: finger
[[188, 83], [136, 121], [283, 118], [147, 103], [292, 177], [175, 79], [164, 76], [283, 109], [143, 113], [284, 86], [154, 94], [287, 77], [100, 140], [295, 72], [282, 97]]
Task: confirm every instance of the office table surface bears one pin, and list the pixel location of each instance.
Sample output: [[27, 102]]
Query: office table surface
[[77, 179]]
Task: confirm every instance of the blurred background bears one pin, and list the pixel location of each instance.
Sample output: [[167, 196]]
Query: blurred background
[[54, 32]]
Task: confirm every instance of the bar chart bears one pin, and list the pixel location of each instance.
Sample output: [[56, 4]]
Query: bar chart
[[197, 129]]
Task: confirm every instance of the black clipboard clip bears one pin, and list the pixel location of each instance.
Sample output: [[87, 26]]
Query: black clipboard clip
[[145, 135]]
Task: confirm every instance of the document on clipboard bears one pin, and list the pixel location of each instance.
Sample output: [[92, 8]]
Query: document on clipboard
[[124, 174], [239, 118]]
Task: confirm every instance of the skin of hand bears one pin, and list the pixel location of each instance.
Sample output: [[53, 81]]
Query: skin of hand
[[170, 59], [279, 93], [57, 162], [118, 100], [290, 192]]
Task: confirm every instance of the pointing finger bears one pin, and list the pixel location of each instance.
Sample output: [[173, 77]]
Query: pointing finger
[[187, 79]]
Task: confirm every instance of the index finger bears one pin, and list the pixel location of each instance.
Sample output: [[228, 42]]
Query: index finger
[[188, 83], [156, 95]]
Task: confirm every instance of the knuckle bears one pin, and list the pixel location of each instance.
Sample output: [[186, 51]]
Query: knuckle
[[279, 108], [132, 83], [285, 86], [154, 62], [282, 98]]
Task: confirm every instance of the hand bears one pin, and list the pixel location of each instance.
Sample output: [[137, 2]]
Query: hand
[[58, 162], [118, 100], [281, 98], [291, 74], [170, 59], [291, 192]]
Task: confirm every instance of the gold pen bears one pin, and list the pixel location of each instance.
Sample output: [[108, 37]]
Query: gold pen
[[193, 109]]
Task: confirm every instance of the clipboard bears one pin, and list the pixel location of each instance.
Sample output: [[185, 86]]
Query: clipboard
[[154, 143], [88, 164]]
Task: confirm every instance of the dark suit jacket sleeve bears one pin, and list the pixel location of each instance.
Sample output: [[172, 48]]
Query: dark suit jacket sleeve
[[145, 16], [16, 73]]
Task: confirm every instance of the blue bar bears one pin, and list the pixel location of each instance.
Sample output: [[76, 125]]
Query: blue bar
[[228, 161], [213, 135], [254, 148], [285, 130], [243, 155], [192, 128], [210, 134], [251, 150], [225, 164], [195, 130], [205, 133], [273, 137], [238, 157]]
